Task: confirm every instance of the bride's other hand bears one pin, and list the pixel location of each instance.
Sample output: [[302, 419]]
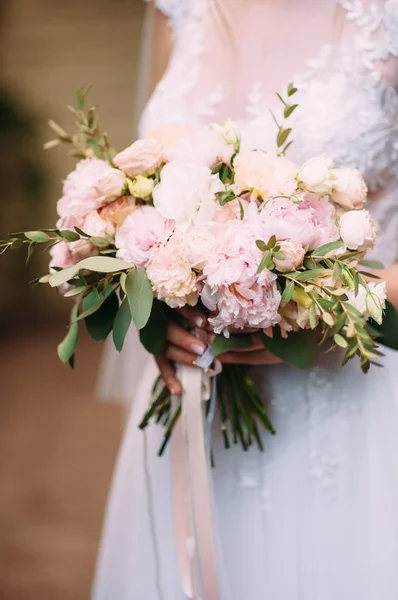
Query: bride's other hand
[[183, 347]]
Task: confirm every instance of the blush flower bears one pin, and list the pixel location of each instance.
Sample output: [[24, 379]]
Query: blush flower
[[92, 184], [142, 234], [316, 176], [171, 276], [118, 210], [141, 158], [265, 175], [370, 302]]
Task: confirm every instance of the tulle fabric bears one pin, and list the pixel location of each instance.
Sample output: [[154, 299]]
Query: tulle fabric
[[313, 517]]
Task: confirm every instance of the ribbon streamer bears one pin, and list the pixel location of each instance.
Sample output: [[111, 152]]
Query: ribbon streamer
[[195, 537]]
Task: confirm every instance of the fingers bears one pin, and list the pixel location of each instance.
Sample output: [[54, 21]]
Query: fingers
[[185, 340], [168, 375], [195, 315], [256, 357], [178, 355]]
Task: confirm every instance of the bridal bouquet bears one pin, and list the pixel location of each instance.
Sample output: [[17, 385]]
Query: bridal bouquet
[[190, 215]]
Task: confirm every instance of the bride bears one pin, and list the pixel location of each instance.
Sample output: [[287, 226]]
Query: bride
[[315, 516]]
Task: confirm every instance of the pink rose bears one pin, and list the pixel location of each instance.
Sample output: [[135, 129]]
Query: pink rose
[[141, 158], [92, 184], [142, 234], [293, 256]]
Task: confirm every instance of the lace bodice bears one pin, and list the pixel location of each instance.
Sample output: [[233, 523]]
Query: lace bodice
[[347, 76]]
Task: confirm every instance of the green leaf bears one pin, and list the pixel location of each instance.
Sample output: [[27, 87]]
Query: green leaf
[[224, 197], [340, 322], [81, 232], [69, 236], [51, 144], [57, 128], [312, 315], [100, 242], [31, 249], [298, 350], [287, 293], [271, 241], [261, 245], [282, 136], [291, 90], [326, 248], [75, 291], [80, 100], [99, 324], [372, 264], [266, 262], [121, 324], [311, 274], [98, 264], [388, 330], [340, 341], [289, 108], [154, 335], [67, 347], [140, 296], [222, 344], [241, 210], [40, 237], [328, 319]]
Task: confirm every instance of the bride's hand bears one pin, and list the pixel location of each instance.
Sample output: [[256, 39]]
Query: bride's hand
[[255, 354], [183, 347]]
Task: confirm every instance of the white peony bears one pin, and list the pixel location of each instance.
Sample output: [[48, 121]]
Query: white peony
[[316, 176], [186, 193], [357, 230], [371, 302], [350, 189]]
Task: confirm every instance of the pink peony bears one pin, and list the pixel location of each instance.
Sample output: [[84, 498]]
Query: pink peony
[[96, 226], [65, 255], [232, 286], [141, 235], [310, 223], [141, 158], [170, 273], [92, 184], [201, 242]]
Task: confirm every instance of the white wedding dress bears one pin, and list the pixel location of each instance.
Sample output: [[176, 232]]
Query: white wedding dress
[[315, 516]]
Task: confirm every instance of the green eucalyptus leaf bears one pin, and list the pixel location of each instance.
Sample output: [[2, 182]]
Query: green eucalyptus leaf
[[99, 324], [372, 264], [289, 108], [291, 90], [140, 296], [98, 264], [287, 293], [282, 136], [312, 315], [223, 344], [75, 291], [67, 347], [121, 324], [311, 274], [340, 341], [40, 237], [261, 245], [326, 248], [69, 236], [154, 335], [298, 349], [99, 242]]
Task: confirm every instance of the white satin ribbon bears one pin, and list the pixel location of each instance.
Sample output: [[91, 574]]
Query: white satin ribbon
[[195, 536]]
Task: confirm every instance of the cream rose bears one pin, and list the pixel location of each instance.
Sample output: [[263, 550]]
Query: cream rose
[[350, 189], [264, 175], [357, 230], [141, 158], [186, 193], [316, 176]]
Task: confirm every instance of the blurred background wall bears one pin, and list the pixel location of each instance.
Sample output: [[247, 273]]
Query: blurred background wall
[[57, 441]]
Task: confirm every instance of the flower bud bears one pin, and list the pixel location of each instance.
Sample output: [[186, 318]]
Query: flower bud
[[141, 187], [293, 255]]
